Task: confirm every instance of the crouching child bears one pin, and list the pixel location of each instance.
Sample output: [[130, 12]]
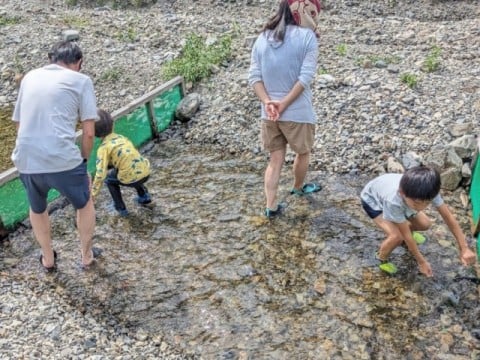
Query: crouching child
[[396, 203], [119, 164]]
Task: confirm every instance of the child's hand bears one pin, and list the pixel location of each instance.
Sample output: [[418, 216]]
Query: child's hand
[[425, 268], [467, 257]]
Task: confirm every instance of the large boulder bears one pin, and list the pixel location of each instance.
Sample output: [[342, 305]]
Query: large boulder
[[187, 107]]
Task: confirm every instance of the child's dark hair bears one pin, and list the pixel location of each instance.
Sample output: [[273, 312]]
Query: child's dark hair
[[420, 183], [104, 124]]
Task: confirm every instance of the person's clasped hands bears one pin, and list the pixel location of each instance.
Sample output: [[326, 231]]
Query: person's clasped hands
[[274, 108]]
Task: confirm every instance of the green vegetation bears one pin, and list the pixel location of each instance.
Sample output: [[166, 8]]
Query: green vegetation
[[342, 49], [322, 71], [197, 58], [112, 74], [127, 35], [432, 62], [410, 80], [115, 4], [75, 21], [364, 61], [8, 134], [9, 20]]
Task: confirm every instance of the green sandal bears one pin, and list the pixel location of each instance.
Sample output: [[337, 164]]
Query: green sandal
[[307, 188], [418, 237], [386, 266]]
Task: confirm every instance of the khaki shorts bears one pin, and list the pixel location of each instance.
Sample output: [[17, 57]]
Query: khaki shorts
[[277, 134]]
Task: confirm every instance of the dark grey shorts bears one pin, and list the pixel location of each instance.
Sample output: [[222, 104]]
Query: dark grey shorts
[[371, 213], [73, 184]]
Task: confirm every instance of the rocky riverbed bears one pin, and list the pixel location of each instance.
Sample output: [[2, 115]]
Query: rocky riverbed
[[366, 113]]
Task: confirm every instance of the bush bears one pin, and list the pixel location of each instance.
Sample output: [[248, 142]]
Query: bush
[[409, 79], [197, 58], [432, 61]]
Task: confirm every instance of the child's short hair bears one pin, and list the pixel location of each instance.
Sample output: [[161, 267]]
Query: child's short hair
[[420, 183], [104, 124]]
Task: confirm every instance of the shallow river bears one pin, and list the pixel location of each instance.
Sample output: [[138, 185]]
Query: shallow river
[[207, 270]]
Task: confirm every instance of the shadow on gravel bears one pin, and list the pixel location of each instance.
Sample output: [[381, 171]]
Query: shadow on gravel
[[204, 268]]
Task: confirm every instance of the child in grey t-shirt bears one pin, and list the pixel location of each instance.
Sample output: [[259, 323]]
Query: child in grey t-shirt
[[396, 202]]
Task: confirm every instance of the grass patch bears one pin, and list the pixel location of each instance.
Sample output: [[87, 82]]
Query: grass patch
[[115, 4], [432, 61], [75, 21], [341, 49], [409, 79], [369, 60], [8, 134], [127, 35], [197, 58], [9, 20], [322, 71], [112, 74]]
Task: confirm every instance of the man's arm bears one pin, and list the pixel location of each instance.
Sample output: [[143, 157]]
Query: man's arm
[[88, 136], [466, 255]]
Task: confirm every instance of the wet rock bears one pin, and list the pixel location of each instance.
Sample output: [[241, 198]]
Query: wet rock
[[187, 107]]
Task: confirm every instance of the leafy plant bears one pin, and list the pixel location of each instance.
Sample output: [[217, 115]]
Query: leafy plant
[[432, 61], [409, 79], [342, 49], [322, 71], [197, 59], [127, 35], [372, 59], [111, 74], [9, 20]]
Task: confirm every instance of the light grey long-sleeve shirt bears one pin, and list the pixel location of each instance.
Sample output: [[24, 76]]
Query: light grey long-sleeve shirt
[[280, 65]]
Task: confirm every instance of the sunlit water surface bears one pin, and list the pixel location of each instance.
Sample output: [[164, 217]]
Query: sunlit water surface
[[207, 270]]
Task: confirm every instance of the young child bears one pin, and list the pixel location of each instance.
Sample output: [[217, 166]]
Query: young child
[[396, 202], [119, 163]]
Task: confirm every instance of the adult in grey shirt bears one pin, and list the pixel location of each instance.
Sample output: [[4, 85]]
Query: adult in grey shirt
[[283, 64], [51, 101]]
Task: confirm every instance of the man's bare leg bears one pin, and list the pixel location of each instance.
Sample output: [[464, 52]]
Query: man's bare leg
[[41, 230], [86, 226]]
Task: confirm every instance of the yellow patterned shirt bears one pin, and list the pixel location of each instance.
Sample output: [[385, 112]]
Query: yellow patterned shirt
[[117, 151]]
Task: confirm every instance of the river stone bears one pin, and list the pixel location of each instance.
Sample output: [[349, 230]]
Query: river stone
[[457, 130], [450, 179], [465, 146], [187, 107]]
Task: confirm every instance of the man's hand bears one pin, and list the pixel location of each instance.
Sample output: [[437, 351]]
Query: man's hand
[[425, 268]]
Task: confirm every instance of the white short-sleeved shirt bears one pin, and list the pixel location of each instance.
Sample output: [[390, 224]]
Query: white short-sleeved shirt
[[51, 101], [382, 194]]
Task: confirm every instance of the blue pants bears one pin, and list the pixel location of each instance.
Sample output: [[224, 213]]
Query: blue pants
[[113, 185]]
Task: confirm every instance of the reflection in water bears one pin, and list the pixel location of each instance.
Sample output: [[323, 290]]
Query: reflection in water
[[205, 268]]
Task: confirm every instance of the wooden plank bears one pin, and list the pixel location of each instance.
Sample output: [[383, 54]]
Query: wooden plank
[[8, 175]]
